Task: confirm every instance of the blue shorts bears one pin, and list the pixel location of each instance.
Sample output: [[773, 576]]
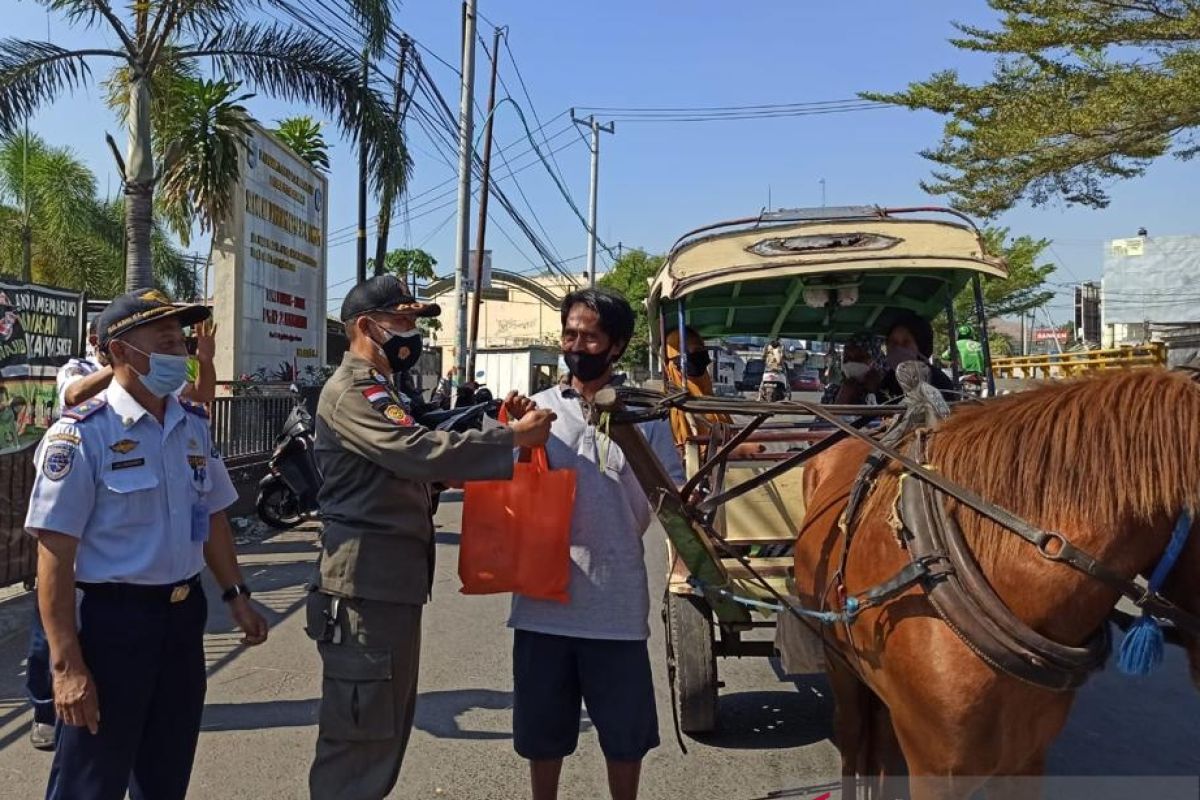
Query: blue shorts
[[553, 674]]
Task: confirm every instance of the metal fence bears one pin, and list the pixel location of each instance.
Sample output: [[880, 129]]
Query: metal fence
[[18, 551], [244, 427]]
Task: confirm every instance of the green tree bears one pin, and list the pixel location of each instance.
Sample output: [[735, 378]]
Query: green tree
[[1024, 289], [172, 36], [409, 265], [1083, 93], [630, 277], [51, 198], [303, 135]]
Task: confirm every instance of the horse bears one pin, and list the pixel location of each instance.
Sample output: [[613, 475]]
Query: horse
[[1108, 461]]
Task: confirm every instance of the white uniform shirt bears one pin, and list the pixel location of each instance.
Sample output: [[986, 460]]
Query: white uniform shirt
[[68, 373], [609, 597], [137, 495]]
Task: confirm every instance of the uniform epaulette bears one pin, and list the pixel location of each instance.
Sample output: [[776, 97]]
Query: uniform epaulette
[[194, 408], [85, 409]]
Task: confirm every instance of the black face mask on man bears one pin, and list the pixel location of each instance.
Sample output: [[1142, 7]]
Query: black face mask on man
[[587, 366], [402, 350]]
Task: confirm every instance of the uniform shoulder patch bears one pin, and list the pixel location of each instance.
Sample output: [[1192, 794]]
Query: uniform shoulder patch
[[58, 459], [194, 408], [385, 404], [86, 409]]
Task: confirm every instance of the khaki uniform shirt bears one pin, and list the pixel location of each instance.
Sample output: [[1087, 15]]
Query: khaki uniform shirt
[[375, 502]]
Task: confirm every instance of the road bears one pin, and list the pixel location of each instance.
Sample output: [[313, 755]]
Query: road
[[259, 726]]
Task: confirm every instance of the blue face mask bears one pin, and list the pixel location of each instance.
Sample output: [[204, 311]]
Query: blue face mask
[[167, 372]]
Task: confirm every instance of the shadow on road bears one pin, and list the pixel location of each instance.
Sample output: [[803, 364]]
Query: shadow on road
[[259, 716], [446, 538], [438, 712], [778, 719]]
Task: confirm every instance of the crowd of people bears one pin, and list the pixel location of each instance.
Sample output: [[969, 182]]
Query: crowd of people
[[129, 502]]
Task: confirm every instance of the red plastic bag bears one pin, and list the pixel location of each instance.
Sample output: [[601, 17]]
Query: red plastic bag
[[516, 535]]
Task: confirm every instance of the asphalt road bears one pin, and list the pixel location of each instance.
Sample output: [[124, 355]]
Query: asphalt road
[[259, 726]]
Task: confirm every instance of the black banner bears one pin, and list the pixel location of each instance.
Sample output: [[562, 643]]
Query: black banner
[[40, 328]]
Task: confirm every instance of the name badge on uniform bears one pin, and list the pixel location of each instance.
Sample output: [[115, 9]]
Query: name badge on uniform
[[200, 523]]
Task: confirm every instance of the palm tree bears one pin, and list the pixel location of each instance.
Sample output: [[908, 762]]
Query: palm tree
[[50, 191], [159, 36], [303, 136]]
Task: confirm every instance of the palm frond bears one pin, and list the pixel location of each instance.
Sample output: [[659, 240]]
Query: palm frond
[[34, 73], [301, 67]]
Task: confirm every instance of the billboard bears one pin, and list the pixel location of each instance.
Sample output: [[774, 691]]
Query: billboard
[[40, 329], [269, 266], [1151, 280], [486, 277]]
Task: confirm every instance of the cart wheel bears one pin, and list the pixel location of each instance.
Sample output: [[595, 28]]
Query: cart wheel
[[691, 638]]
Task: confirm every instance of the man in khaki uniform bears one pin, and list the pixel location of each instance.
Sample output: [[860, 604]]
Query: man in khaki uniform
[[377, 554]]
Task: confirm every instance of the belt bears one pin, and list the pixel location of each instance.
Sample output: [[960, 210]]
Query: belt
[[161, 593]]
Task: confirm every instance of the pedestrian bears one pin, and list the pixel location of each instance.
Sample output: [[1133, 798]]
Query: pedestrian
[[591, 649], [80, 379], [201, 384], [377, 550], [128, 506], [444, 392]]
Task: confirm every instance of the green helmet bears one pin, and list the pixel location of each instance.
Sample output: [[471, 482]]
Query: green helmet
[[965, 332]]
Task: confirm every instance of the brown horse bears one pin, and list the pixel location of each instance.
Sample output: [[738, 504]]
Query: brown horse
[[1109, 462]]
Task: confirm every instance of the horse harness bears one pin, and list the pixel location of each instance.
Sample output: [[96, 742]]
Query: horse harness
[[941, 562]]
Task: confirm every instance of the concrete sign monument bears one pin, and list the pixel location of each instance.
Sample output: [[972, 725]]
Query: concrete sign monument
[[269, 266]]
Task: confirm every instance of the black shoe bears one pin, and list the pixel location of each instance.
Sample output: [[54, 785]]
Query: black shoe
[[41, 736]]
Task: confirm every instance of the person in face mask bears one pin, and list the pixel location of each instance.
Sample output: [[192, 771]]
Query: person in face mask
[[128, 507], [862, 371], [910, 338], [375, 571]]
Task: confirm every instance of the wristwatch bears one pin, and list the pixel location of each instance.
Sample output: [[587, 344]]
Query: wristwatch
[[234, 591]]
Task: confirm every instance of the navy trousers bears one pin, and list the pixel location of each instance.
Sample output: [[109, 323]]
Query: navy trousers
[[38, 685], [147, 659]]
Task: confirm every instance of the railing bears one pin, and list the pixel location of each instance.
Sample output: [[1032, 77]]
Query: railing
[[1071, 364], [18, 550], [244, 427]]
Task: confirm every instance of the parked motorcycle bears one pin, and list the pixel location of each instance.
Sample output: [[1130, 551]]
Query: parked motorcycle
[[774, 387], [287, 494], [972, 385]]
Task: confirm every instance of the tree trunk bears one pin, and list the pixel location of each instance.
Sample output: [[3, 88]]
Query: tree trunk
[[26, 252], [139, 189]]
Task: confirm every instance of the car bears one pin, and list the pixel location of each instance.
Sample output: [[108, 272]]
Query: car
[[805, 379]]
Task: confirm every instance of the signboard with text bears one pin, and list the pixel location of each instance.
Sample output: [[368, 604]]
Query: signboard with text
[[269, 263]]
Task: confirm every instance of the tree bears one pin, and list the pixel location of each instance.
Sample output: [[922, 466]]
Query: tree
[[1083, 92], [171, 36], [630, 277], [1021, 292], [303, 136], [51, 192], [409, 265]]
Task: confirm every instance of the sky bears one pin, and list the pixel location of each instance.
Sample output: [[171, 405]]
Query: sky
[[659, 180]]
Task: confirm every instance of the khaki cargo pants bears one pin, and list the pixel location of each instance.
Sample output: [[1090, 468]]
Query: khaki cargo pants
[[368, 694]]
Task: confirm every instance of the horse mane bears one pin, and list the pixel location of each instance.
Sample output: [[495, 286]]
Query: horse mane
[[1118, 448]]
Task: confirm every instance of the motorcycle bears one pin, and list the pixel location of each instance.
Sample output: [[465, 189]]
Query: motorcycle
[[972, 386], [287, 495], [774, 387]]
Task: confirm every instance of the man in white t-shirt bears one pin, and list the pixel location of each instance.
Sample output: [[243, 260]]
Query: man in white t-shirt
[[593, 648]]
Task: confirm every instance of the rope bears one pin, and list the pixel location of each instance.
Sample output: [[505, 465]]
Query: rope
[[824, 617]]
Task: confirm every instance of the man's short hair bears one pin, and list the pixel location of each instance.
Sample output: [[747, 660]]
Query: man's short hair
[[616, 315]]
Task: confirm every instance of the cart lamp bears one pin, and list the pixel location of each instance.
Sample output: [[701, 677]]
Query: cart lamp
[[816, 297], [847, 295]]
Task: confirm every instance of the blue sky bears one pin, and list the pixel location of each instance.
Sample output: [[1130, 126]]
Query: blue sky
[[659, 180]]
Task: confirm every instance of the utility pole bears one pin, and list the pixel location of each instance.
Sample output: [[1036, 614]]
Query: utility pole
[[484, 184], [362, 189], [26, 222], [465, 147], [1024, 341], [596, 129], [389, 200], [822, 182]]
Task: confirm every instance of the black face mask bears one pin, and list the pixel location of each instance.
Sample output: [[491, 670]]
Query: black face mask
[[402, 350], [697, 364], [587, 366]]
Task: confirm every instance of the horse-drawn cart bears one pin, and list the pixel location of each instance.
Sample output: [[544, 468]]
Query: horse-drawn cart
[[822, 275]]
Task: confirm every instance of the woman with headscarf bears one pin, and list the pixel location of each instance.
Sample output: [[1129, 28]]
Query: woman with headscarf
[[699, 384], [910, 338], [862, 370]]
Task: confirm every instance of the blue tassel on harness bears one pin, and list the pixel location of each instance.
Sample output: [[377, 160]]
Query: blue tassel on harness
[[1142, 646]]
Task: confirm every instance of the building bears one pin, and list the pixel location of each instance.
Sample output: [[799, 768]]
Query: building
[[1150, 287]]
